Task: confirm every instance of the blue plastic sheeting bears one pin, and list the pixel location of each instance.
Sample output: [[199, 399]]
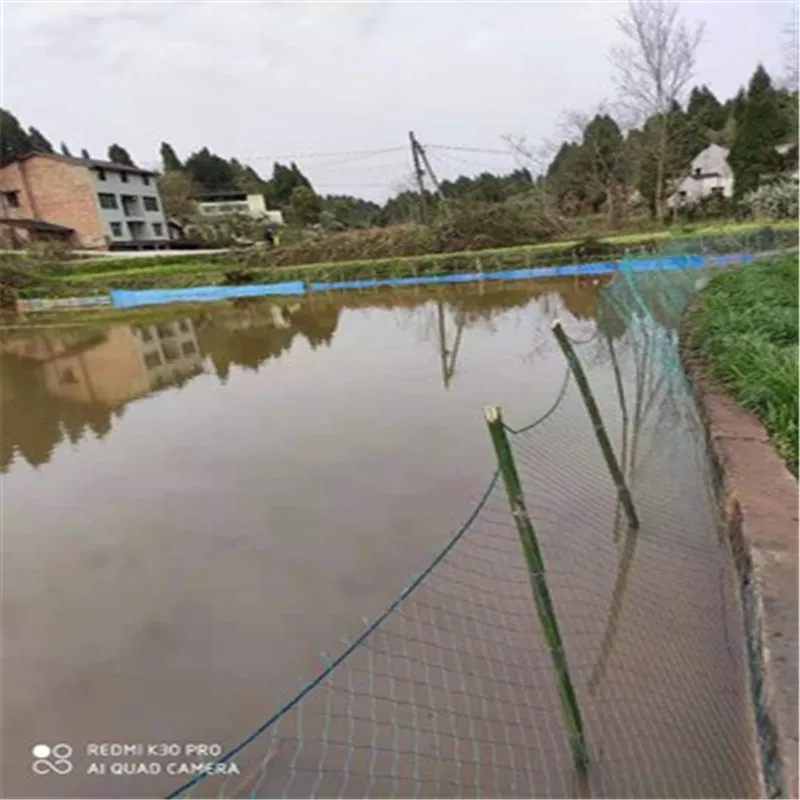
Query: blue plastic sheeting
[[121, 298], [571, 270], [128, 299]]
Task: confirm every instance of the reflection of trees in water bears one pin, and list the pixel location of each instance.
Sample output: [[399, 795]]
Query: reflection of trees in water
[[227, 343], [34, 422]]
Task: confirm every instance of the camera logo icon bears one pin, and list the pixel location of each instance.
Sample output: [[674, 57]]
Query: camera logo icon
[[49, 759]]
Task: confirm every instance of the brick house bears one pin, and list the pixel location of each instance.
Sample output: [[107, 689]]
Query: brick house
[[91, 205]]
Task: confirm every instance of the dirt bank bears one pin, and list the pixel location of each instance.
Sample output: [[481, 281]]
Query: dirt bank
[[759, 505]]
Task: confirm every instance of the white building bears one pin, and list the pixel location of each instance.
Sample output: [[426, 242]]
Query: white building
[[709, 174], [252, 205]]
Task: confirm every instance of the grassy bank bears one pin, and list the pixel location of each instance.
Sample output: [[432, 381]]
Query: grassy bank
[[99, 275], [744, 328]]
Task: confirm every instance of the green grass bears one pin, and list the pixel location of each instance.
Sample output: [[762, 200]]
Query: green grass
[[744, 328], [103, 266], [188, 270]]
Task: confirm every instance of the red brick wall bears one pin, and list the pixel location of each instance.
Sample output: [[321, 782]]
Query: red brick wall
[[55, 191]]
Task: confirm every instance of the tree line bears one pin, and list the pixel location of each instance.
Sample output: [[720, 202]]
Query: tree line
[[608, 161]]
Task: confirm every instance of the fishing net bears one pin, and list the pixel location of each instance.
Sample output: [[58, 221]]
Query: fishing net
[[452, 693]]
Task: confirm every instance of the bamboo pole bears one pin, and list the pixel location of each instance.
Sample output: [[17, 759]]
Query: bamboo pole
[[541, 594], [597, 422]]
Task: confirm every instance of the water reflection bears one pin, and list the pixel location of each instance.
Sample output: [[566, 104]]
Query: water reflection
[[65, 384]]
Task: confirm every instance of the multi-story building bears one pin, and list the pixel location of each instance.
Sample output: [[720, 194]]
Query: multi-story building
[[88, 204], [116, 366]]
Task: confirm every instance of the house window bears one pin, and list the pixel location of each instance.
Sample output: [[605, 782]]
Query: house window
[[698, 171], [152, 359], [158, 229], [150, 203], [116, 228], [189, 348], [68, 376], [12, 199], [107, 200], [145, 333], [101, 174], [123, 177], [171, 352], [716, 190], [165, 330], [146, 180], [184, 326]]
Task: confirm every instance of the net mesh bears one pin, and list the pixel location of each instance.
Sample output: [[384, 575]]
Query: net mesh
[[451, 693]]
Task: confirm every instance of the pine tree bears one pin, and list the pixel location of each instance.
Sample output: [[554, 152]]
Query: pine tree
[[14, 142], [704, 110], [760, 127], [38, 141], [65, 150], [210, 172], [85, 154], [169, 158], [119, 155]]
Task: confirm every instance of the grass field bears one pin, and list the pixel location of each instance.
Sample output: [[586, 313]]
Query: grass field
[[744, 329]]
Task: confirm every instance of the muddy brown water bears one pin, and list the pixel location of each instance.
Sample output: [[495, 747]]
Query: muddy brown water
[[195, 506]]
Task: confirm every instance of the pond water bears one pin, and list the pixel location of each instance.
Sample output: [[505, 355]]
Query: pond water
[[194, 508], [196, 505]]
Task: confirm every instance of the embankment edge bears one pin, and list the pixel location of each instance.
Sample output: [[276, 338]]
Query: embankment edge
[[758, 501]]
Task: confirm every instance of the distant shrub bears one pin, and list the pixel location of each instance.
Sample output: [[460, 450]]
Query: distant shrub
[[594, 248], [773, 201]]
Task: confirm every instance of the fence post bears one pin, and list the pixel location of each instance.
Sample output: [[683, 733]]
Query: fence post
[[541, 594], [597, 422]]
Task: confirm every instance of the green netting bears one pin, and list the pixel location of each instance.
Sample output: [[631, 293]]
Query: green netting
[[451, 692]]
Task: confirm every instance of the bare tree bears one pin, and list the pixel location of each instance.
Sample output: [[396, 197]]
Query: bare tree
[[537, 160], [790, 53], [653, 69]]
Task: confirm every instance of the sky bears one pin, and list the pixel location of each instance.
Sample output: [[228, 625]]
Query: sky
[[328, 84]]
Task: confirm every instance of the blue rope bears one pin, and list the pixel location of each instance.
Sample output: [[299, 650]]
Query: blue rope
[[358, 641]]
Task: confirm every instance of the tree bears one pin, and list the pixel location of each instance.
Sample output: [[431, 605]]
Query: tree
[[246, 178], [65, 150], [761, 126], [790, 56], [38, 142], [85, 154], [652, 70], [704, 110], [305, 205], [210, 172], [169, 158], [284, 181], [119, 155], [177, 190], [344, 211], [14, 142]]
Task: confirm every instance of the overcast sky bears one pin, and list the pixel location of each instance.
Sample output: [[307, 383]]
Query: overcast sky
[[267, 80]]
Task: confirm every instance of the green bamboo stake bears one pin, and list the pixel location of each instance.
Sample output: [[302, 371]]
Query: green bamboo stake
[[541, 594], [597, 422]]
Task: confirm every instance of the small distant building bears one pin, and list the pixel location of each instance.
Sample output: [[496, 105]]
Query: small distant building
[[709, 174], [88, 204], [237, 202]]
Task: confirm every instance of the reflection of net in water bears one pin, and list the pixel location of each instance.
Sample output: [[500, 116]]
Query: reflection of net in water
[[452, 694]]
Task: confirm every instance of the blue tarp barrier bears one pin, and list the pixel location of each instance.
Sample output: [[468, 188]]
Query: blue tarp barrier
[[121, 298], [570, 270], [129, 299]]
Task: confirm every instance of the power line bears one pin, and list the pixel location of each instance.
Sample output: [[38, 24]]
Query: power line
[[469, 149]]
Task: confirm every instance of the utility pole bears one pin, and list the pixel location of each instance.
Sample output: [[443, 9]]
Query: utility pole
[[424, 156], [418, 174]]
